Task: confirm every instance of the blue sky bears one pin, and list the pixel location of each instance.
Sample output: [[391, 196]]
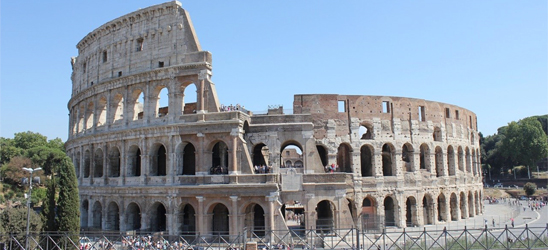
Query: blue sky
[[490, 57]]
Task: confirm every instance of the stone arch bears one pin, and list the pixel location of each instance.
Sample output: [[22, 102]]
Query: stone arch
[[97, 218], [288, 158], [411, 216], [133, 217], [454, 206], [254, 219], [462, 203], [388, 159], [460, 159], [98, 163], [298, 164], [187, 220], [137, 102], [84, 211], [219, 158], [425, 157], [189, 97], [437, 134], [442, 208], [344, 158], [390, 210], [87, 163], [117, 108], [369, 213], [471, 204], [186, 159], [468, 164], [77, 165], [260, 155], [322, 152], [219, 219], [158, 218], [113, 217], [428, 209], [451, 160], [158, 160], [325, 216], [366, 159], [366, 131], [81, 118], [114, 162], [439, 162], [134, 161], [161, 102], [102, 111], [408, 158], [89, 115]]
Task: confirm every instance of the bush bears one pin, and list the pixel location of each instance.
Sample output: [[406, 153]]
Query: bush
[[530, 188]]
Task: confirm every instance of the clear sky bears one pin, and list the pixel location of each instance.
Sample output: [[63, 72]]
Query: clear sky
[[490, 57]]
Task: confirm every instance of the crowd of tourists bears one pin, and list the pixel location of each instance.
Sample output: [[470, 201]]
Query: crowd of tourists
[[231, 107], [262, 169]]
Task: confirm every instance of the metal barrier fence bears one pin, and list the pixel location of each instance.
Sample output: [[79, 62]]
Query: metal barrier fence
[[355, 239]]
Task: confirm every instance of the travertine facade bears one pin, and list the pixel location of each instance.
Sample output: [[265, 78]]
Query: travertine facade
[[189, 168]]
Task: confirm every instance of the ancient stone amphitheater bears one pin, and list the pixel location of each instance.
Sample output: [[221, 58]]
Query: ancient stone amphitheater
[[201, 168]]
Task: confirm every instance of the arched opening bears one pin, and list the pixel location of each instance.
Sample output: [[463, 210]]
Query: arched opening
[[411, 212], [219, 159], [158, 220], [133, 217], [114, 162], [189, 160], [77, 165], [324, 219], [407, 157], [87, 164], [98, 163], [97, 218], [81, 119], [113, 217], [478, 207], [428, 209], [461, 159], [437, 134], [439, 162], [369, 214], [344, 158], [293, 213], [366, 132], [102, 112], [468, 161], [366, 158], [451, 160], [462, 205], [389, 212], [454, 207], [260, 155], [159, 162], [84, 210], [255, 220], [442, 211], [162, 102], [138, 101], [134, 161], [298, 164], [290, 153], [189, 98], [471, 204], [118, 108], [387, 160], [220, 220], [187, 220], [89, 114], [474, 163], [425, 157], [322, 152]]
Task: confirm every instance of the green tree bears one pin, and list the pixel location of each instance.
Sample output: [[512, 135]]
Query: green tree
[[47, 158], [525, 142], [48, 207], [530, 188], [14, 220], [8, 150], [13, 172], [27, 140], [68, 205]]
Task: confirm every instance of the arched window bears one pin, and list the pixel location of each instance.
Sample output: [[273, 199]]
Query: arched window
[[387, 160], [98, 163], [219, 159], [366, 132], [220, 222], [344, 158], [138, 105], [162, 102], [114, 162], [407, 157], [159, 164], [134, 161], [118, 108], [389, 212], [102, 112], [189, 99], [425, 157], [366, 157], [324, 222], [133, 217], [437, 134], [451, 160], [158, 218], [439, 162]]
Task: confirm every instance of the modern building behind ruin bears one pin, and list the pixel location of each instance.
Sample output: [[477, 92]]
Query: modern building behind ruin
[[189, 168]]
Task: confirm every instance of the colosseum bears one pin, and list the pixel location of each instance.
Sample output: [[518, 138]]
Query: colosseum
[[201, 168]]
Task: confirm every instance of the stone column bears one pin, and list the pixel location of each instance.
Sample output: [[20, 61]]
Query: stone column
[[234, 152], [171, 160], [144, 220], [202, 229], [271, 211], [465, 206], [233, 216], [201, 169], [377, 163], [145, 160]]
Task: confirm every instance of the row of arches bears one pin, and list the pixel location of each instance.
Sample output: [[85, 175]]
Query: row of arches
[[138, 103], [431, 209], [366, 132]]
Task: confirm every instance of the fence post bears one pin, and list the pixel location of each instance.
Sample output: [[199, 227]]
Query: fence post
[[358, 238], [383, 238], [445, 238]]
